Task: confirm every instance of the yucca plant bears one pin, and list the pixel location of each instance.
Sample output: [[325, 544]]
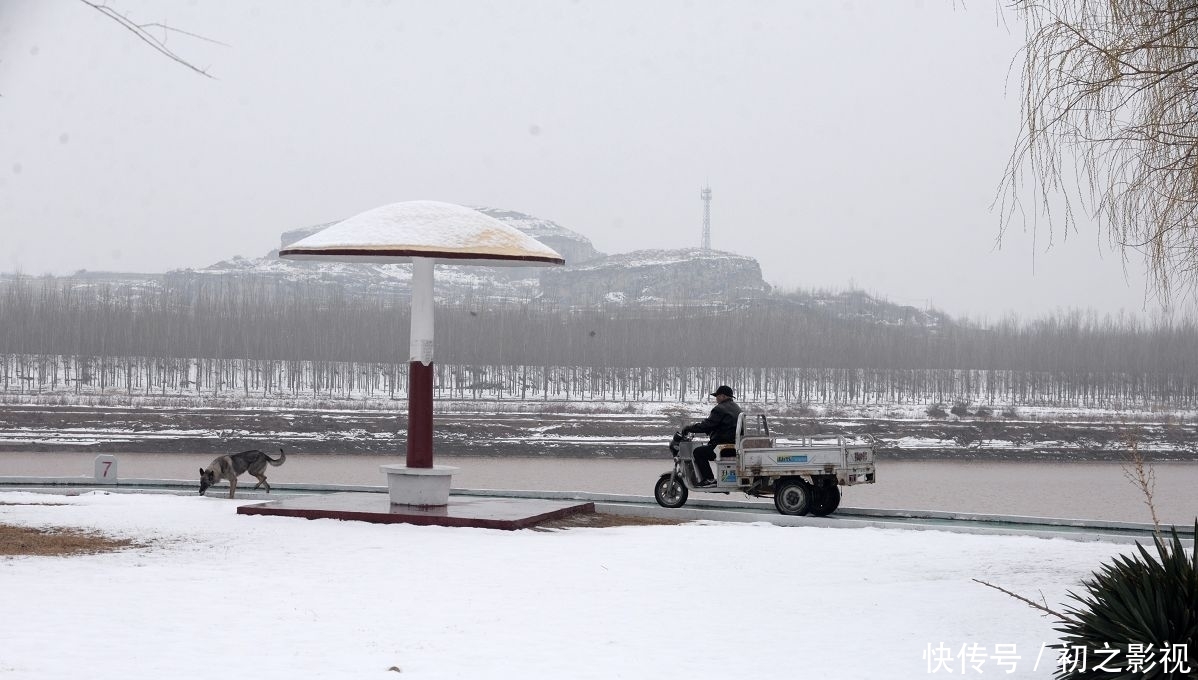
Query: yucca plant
[[1141, 599]]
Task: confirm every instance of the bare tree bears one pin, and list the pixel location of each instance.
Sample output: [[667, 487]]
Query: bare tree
[[1112, 84], [1141, 473]]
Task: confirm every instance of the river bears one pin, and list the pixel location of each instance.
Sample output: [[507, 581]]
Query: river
[[1083, 490]]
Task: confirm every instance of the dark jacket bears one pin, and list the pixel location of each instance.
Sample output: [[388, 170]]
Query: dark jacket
[[721, 424]]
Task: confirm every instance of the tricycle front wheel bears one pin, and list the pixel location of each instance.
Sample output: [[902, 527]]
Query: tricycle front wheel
[[670, 492]]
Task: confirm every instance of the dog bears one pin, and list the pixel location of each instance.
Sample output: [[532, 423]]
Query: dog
[[230, 466]]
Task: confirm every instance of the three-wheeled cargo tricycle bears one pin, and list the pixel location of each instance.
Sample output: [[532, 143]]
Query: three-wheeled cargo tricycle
[[802, 478]]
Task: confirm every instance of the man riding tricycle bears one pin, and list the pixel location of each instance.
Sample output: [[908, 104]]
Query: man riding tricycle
[[803, 478]]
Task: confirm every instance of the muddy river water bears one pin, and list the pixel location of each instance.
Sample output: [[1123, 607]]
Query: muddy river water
[[1089, 490]]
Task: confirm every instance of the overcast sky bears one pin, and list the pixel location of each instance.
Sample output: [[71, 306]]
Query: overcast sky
[[846, 143]]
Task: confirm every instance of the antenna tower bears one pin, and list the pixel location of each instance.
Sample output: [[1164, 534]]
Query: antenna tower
[[705, 194]]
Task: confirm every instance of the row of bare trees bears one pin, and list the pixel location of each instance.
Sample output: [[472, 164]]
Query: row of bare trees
[[26, 374], [1071, 356]]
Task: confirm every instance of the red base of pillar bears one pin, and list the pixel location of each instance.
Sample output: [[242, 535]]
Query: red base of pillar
[[420, 415]]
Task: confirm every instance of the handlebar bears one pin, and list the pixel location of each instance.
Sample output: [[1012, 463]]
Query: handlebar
[[678, 438]]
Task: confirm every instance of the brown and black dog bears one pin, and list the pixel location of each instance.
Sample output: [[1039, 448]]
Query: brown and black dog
[[230, 466]]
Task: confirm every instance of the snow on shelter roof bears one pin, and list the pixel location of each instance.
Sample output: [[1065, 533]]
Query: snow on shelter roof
[[442, 231]]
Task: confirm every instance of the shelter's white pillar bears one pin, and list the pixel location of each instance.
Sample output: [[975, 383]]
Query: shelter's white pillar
[[420, 347], [419, 482]]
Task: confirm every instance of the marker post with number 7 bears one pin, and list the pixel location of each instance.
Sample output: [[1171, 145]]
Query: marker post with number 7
[[105, 472]]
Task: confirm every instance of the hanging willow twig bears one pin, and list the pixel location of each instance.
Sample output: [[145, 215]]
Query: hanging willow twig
[[142, 31], [1109, 92]]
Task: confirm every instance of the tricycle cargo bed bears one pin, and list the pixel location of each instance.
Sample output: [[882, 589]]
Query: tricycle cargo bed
[[850, 464]]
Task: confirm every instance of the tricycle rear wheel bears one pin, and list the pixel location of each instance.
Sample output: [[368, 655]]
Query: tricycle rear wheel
[[670, 492], [826, 500], [793, 497]]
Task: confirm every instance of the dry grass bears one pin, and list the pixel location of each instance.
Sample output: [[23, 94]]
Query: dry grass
[[56, 542], [601, 520], [65, 542]]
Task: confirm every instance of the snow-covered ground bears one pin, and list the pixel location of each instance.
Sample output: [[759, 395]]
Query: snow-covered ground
[[215, 594]]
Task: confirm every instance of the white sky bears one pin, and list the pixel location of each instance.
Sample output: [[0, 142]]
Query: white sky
[[849, 143]]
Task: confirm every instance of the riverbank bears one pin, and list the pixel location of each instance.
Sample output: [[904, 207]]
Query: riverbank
[[576, 430]]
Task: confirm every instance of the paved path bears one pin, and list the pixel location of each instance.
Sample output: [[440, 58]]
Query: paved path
[[709, 507]]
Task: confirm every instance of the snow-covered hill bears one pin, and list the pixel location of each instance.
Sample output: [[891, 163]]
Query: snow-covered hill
[[589, 277], [657, 276]]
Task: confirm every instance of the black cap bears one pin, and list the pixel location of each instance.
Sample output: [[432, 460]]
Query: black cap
[[724, 390]]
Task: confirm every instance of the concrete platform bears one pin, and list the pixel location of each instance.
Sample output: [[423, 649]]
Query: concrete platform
[[462, 511]]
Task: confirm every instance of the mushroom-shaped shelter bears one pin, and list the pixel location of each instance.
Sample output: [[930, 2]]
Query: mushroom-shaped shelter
[[443, 232], [423, 233]]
